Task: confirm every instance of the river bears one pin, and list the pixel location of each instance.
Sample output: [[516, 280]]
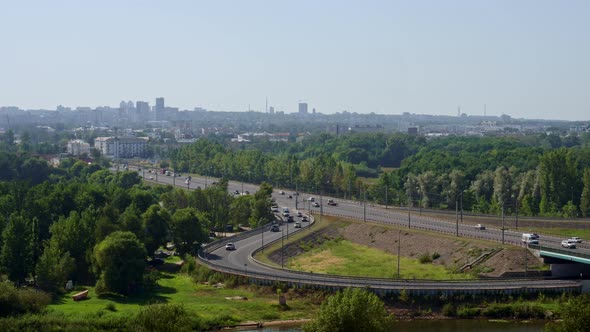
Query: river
[[451, 325]]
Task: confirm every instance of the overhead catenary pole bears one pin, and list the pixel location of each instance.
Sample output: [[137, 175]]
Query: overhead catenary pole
[[516, 213], [399, 249], [386, 196], [365, 206], [503, 229], [457, 216], [409, 218]]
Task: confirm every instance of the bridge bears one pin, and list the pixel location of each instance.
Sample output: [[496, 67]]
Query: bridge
[[564, 262]]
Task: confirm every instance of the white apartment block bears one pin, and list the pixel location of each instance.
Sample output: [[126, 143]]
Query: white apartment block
[[78, 147], [121, 147]]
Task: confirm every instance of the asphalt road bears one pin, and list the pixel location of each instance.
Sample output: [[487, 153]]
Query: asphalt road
[[241, 261]]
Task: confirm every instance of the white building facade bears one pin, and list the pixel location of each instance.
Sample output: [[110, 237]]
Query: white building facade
[[121, 147], [78, 147]]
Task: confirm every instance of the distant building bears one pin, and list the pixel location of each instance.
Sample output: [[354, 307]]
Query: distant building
[[302, 108], [121, 147], [413, 131], [78, 147], [159, 109]]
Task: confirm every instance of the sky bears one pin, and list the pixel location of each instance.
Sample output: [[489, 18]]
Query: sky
[[525, 58]]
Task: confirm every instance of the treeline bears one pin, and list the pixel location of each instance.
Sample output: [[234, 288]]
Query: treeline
[[530, 175], [84, 223]]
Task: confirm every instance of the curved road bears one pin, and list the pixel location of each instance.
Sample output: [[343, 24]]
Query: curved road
[[241, 262]]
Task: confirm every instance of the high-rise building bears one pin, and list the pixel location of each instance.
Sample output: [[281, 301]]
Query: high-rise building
[[159, 109], [303, 108]]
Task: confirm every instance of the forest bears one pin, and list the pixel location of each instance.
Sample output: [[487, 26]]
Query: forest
[[532, 175], [82, 222]]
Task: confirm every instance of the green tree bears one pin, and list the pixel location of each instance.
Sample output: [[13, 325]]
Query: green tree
[[575, 316], [156, 222], [585, 199], [354, 310], [119, 260], [54, 268], [16, 257], [187, 230]]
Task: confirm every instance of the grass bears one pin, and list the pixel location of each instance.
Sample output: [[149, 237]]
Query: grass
[[208, 302], [347, 258]]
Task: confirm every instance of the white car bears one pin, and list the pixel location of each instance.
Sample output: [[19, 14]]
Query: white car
[[568, 244], [575, 239], [480, 226], [311, 199], [230, 246]]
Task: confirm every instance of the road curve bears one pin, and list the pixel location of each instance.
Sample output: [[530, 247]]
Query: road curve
[[241, 262]]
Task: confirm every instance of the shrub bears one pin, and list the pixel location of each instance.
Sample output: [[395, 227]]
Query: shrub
[[403, 296], [162, 317], [425, 258], [15, 301], [449, 310], [435, 255], [189, 264], [468, 312], [111, 307]]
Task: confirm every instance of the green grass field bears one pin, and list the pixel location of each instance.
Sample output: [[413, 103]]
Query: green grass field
[[347, 258], [206, 301]]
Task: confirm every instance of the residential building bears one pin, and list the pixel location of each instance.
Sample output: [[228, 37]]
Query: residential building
[[78, 147], [121, 147]]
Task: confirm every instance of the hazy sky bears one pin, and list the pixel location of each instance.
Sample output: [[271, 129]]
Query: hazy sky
[[524, 58]]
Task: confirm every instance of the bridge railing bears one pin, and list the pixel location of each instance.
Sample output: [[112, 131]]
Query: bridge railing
[[559, 251]]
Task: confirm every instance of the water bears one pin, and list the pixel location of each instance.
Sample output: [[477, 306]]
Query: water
[[441, 326]]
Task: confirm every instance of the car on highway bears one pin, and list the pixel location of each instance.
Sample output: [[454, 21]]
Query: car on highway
[[230, 246], [568, 244], [281, 192], [311, 199], [304, 218], [289, 196], [298, 224], [151, 177], [274, 209], [480, 226], [530, 238], [290, 219], [316, 204], [275, 228], [576, 239], [236, 192], [332, 203], [299, 214]]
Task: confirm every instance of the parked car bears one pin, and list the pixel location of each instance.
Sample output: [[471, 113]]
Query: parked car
[[230, 246], [568, 244]]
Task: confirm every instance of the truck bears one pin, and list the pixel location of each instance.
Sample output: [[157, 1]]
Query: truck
[[530, 238], [332, 203]]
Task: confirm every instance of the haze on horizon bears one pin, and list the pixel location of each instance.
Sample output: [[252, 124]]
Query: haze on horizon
[[527, 58]]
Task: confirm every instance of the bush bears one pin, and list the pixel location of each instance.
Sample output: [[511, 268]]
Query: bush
[[425, 258], [15, 301], [468, 312], [435, 255], [449, 310], [162, 317], [189, 264]]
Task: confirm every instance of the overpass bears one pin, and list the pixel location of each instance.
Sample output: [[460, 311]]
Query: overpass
[[565, 263]]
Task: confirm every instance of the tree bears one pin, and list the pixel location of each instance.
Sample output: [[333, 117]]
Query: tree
[[575, 314], [585, 199], [187, 230], [54, 268], [16, 258], [120, 262], [353, 309], [156, 221]]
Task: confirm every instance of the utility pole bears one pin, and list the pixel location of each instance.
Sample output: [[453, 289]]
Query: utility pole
[[421, 198], [262, 233], [526, 251], [516, 212], [399, 249], [282, 247], [457, 216], [409, 218], [461, 203], [503, 229], [365, 206], [386, 197]]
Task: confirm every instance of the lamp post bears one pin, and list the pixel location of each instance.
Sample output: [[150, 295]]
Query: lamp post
[[282, 248], [399, 249], [409, 217]]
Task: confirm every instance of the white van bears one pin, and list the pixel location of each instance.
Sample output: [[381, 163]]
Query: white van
[[530, 238], [285, 212]]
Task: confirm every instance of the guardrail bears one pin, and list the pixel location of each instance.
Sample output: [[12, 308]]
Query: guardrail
[[559, 251]]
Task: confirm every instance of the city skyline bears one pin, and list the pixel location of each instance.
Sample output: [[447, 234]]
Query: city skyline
[[528, 59]]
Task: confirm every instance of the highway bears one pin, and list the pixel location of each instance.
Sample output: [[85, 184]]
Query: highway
[[240, 261]]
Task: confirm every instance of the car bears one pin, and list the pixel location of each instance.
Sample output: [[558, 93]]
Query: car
[[289, 196], [139, 169], [274, 209], [480, 226], [311, 199], [281, 192], [332, 203], [316, 204], [568, 244], [298, 224], [230, 246], [187, 181], [290, 219], [575, 239], [299, 214], [275, 228], [151, 177], [530, 238], [304, 218]]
